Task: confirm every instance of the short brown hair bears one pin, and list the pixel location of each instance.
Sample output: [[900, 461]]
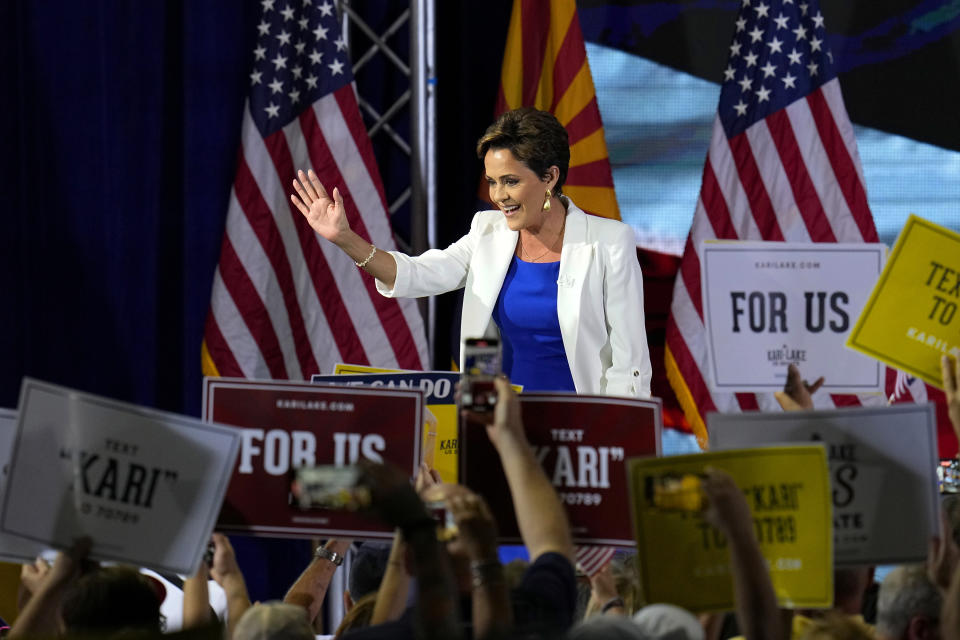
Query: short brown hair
[[535, 138], [112, 599]]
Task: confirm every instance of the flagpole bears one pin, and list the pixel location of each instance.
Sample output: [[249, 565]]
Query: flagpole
[[423, 150]]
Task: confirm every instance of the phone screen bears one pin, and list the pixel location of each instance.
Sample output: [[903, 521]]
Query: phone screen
[[329, 487], [481, 363], [948, 476]]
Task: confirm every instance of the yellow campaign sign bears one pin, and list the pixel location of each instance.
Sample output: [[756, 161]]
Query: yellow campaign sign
[[340, 369], [911, 318], [440, 436], [684, 560]]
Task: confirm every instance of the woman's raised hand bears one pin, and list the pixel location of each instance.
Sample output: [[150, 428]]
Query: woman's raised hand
[[325, 214]]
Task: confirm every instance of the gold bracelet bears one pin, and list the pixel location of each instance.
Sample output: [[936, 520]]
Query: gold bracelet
[[368, 258]]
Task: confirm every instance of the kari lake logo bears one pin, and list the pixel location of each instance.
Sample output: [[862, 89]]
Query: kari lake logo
[[785, 354]]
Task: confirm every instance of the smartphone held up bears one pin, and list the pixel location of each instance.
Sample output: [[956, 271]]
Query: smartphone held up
[[482, 362], [330, 487]]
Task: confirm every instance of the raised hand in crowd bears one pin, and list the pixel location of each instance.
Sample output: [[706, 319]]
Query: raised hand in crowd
[[950, 373], [546, 597], [604, 596], [944, 552], [226, 572], [392, 595], [756, 603], [310, 588], [396, 502], [426, 478], [196, 597], [944, 555], [540, 516], [477, 542], [47, 587], [797, 393], [31, 577]]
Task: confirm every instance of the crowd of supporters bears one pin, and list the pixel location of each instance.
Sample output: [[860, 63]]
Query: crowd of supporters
[[427, 586]]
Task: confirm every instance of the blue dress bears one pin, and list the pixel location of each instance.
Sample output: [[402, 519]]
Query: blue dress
[[526, 313]]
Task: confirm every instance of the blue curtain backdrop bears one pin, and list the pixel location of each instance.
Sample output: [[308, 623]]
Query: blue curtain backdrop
[[121, 127]]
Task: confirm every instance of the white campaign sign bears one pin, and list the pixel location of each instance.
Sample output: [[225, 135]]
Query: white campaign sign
[[12, 548], [769, 304], [146, 486], [883, 462]]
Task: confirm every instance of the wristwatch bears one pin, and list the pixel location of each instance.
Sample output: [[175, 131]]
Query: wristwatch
[[332, 556]]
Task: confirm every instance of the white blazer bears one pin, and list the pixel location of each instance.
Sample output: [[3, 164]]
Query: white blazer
[[599, 294]]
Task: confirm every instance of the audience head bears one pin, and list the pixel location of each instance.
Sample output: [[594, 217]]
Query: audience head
[[112, 599], [908, 605], [667, 622], [358, 616], [607, 628], [623, 568], [274, 621], [367, 568], [837, 626], [849, 586], [653, 622]]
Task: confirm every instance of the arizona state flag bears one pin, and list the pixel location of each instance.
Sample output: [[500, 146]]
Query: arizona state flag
[[545, 66]]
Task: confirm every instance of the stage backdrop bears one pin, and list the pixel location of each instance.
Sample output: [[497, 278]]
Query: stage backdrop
[[120, 125]]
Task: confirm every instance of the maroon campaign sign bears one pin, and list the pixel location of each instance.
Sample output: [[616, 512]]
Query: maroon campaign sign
[[298, 424], [582, 442]]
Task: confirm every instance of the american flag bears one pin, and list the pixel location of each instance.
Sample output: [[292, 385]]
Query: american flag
[[782, 165], [285, 303]]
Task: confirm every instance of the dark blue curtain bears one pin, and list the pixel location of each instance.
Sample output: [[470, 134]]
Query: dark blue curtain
[[121, 122]]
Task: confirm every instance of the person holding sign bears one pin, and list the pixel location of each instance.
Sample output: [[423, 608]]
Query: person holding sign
[[564, 289], [544, 602], [950, 374], [757, 611]]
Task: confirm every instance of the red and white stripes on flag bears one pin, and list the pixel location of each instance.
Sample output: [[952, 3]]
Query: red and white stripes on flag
[[782, 165], [591, 560], [285, 303]]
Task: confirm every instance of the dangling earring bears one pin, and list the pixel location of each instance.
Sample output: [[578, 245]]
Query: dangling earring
[[546, 203]]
